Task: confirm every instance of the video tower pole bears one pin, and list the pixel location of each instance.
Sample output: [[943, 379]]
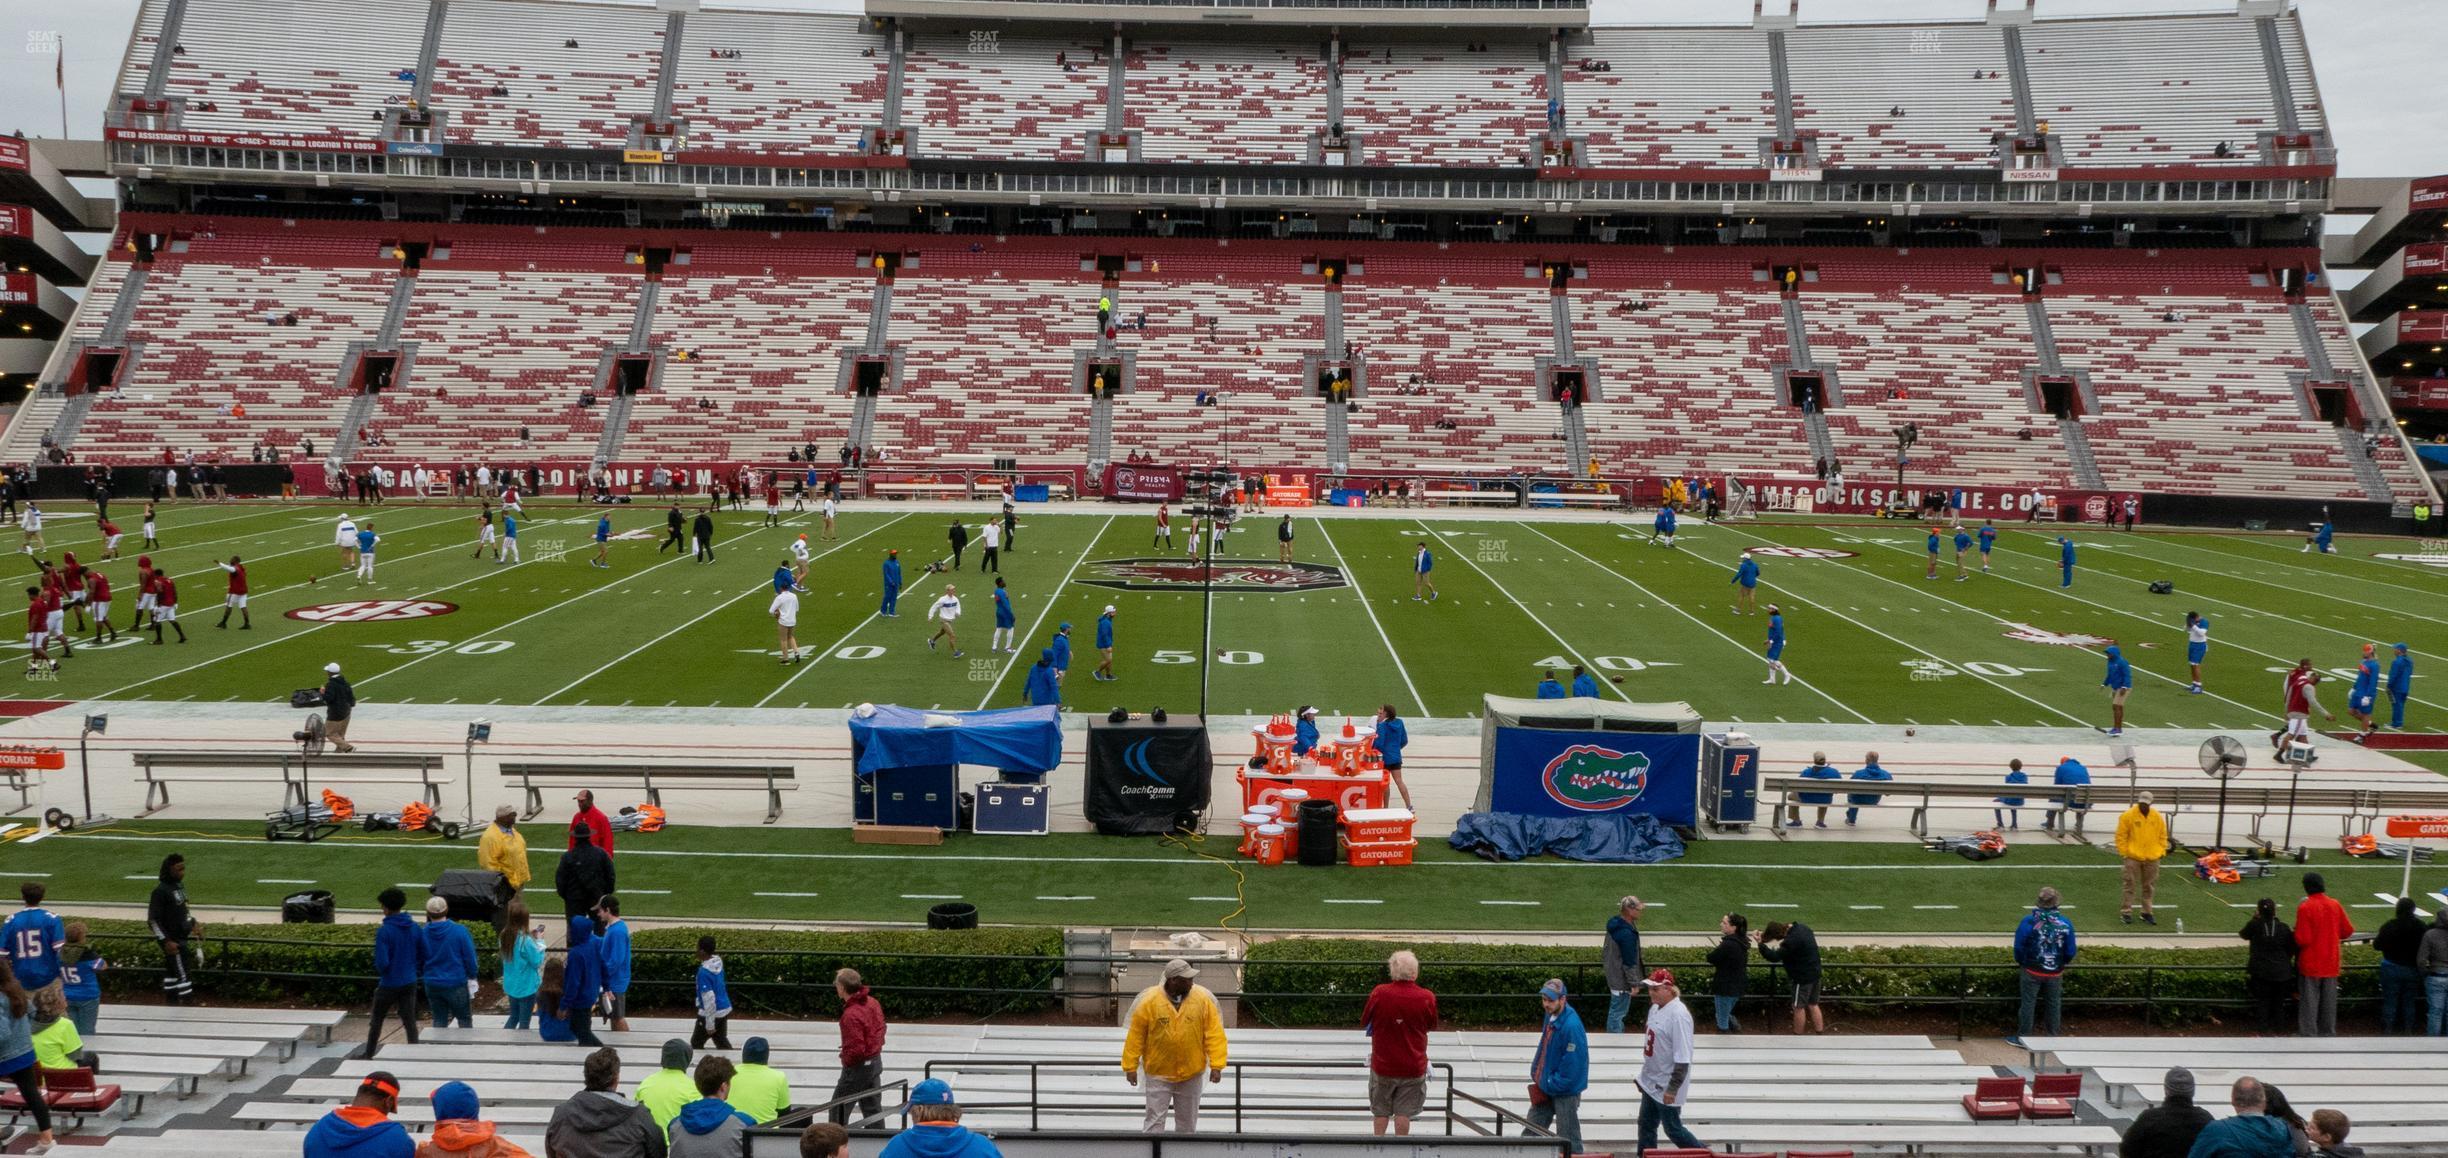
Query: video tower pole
[[1211, 487]]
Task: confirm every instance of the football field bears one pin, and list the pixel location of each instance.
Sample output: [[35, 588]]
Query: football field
[[1870, 639]]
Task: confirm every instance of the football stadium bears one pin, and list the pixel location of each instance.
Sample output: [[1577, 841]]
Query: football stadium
[[966, 546]]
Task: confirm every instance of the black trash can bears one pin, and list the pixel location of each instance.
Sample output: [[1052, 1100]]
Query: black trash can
[[473, 894], [1317, 833], [312, 907], [953, 915]]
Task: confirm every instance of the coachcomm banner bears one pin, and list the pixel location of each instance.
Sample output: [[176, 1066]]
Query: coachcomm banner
[[1588, 757]]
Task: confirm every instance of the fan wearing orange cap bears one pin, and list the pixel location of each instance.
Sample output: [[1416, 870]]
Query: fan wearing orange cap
[[363, 1128], [1665, 1073]]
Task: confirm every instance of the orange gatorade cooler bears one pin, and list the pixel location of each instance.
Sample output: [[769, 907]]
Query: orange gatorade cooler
[[1288, 802], [1271, 844], [1250, 823]]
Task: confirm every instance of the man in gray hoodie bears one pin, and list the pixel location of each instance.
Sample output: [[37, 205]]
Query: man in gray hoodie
[[709, 1127], [2431, 961], [599, 1122]]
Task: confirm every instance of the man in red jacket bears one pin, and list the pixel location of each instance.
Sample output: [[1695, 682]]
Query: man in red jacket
[[862, 1047], [591, 821], [1398, 1018], [2321, 928]]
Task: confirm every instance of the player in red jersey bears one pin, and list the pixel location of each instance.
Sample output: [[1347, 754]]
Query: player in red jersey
[[36, 617], [2300, 704], [144, 593], [55, 603], [237, 599], [98, 597], [110, 538], [72, 585], [165, 606]]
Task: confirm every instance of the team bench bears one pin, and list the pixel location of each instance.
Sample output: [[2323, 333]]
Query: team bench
[[919, 490], [771, 779], [162, 769], [2358, 808]]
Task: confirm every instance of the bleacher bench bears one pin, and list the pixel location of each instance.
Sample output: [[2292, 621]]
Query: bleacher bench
[[68, 1092], [295, 772], [2359, 808], [1458, 496], [771, 779]]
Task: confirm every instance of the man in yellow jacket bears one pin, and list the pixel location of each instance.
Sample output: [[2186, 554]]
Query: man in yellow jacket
[[502, 848], [1175, 1031], [2141, 839]]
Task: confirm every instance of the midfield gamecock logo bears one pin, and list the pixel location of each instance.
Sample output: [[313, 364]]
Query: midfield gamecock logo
[[373, 611], [1230, 575], [1590, 778]]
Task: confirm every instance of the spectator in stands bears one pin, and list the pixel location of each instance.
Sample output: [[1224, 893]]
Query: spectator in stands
[[582, 981], [589, 825], [2168, 1129], [669, 1088], [935, 1130], [1798, 951], [450, 966], [166, 916], [1559, 1070], [585, 875], [862, 1044], [1621, 959], [460, 1130], [600, 1123], [57, 1044], [1856, 801], [2401, 992], [361, 1129], [713, 1004], [2141, 840], [2430, 964], [81, 969], [503, 850], [2328, 1129], [759, 1090], [33, 936], [612, 939], [1732, 961], [2044, 947], [2321, 928], [709, 1127], [1665, 1073], [1398, 1018], [1175, 1032], [822, 1140], [2011, 804], [399, 961], [2269, 969], [522, 962], [550, 985]]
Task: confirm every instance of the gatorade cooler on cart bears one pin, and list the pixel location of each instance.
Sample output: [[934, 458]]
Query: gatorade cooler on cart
[[1270, 844], [1251, 822], [1378, 836]]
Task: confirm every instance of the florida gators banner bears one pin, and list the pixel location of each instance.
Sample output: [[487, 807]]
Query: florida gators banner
[[1541, 772]]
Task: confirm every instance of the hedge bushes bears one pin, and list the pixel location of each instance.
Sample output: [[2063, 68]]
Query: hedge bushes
[[771, 973], [1322, 982]]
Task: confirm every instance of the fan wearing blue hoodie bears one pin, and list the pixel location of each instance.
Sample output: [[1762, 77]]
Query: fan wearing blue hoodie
[[935, 1130], [363, 1128], [709, 1127], [2119, 682], [612, 948], [450, 966], [713, 999], [582, 980], [399, 961], [2044, 946]]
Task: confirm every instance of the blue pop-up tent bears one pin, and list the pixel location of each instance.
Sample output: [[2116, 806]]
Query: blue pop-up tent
[[1010, 739]]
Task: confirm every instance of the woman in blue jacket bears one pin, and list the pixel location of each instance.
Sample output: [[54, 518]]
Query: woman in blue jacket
[[1391, 737]]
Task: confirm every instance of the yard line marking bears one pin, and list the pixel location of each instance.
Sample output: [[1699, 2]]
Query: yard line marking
[[1343, 901], [1704, 624], [1223, 900], [2391, 898], [785, 894], [1766, 905], [649, 892], [1051, 599], [1066, 898], [1526, 904], [811, 661], [762, 585], [428, 885], [930, 896], [280, 881], [1865, 908], [141, 877], [1937, 907], [1354, 580]]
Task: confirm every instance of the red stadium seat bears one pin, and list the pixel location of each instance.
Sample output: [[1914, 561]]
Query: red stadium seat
[[70, 1092], [2052, 1095], [1995, 1099]]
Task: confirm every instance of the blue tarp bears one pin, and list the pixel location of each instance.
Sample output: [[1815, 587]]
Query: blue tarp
[[2433, 455], [1614, 838], [1017, 739]]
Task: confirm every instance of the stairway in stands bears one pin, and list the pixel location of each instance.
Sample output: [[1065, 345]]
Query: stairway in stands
[[2069, 430], [1338, 411], [618, 407], [68, 417], [2350, 441], [1797, 345], [1576, 433], [363, 403]]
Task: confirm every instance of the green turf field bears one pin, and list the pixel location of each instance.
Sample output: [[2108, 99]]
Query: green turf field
[[1870, 639], [819, 875]]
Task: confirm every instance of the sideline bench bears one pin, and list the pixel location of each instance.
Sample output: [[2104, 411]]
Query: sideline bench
[[294, 770], [771, 779], [2359, 808]]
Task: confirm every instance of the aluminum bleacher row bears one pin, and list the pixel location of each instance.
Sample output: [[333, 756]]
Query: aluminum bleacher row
[[506, 327], [2120, 92]]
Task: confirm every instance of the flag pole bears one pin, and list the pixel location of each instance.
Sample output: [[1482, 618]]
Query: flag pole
[[59, 76]]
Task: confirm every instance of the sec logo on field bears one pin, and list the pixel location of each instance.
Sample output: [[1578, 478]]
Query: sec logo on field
[[373, 611], [1802, 552]]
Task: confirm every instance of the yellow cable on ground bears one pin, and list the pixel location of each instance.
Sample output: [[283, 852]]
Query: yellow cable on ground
[[1189, 842]]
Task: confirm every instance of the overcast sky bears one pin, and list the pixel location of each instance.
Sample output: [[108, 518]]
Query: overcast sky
[[2374, 66]]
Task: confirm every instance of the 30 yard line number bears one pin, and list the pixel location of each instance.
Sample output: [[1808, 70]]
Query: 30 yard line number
[[1603, 662], [472, 647]]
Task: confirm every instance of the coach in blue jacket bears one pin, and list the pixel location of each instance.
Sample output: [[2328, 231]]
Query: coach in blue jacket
[[1584, 684], [2119, 682], [1869, 770], [892, 585], [2400, 686], [1549, 688], [1559, 1071], [399, 960]]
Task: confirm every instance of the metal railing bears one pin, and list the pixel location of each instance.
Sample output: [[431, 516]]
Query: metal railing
[[1243, 1105]]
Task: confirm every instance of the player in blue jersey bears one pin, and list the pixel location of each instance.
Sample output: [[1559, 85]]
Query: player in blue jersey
[[2065, 561], [1776, 647], [2322, 533], [1662, 531], [1005, 622], [509, 552], [892, 585], [366, 539], [603, 543], [1963, 543], [785, 579], [1931, 571], [2366, 691], [1421, 565], [1746, 584], [1062, 651], [2119, 682], [1988, 539], [1105, 645], [2197, 646], [2400, 687]]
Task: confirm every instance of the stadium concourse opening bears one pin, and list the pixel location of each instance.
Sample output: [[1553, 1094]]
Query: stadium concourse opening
[[1005, 366]]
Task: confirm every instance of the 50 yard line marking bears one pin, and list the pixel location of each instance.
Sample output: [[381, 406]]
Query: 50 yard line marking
[[1349, 576], [1053, 597], [1704, 624]]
